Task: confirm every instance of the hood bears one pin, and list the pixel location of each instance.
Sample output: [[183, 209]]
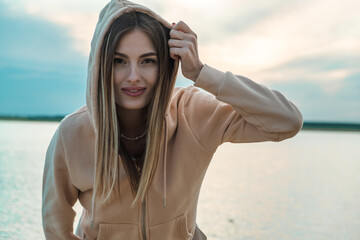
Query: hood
[[108, 14]]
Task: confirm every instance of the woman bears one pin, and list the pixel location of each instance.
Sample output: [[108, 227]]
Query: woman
[[136, 154]]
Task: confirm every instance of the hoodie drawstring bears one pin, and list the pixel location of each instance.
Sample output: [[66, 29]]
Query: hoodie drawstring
[[92, 212], [164, 163]]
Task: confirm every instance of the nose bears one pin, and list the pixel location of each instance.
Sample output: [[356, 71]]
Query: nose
[[134, 74]]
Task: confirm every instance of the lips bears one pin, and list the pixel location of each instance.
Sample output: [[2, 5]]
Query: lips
[[133, 91]]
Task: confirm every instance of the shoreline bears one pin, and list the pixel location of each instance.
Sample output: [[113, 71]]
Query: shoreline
[[308, 125], [331, 126], [56, 118]]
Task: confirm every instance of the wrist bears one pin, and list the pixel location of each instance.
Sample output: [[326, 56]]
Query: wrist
[[210, 79], [197, 72]]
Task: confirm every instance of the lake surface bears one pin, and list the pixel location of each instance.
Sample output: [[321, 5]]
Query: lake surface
[[304, 188]]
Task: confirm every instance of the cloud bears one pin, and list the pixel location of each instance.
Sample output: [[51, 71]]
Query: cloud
[[27, 38], [328, 71], [40, 73], [214, 21], [318, 105], [233, 34], [290, 32]]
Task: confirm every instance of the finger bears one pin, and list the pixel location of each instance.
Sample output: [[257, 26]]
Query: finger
[[188, 45], [176, 35], [175, 57], [179, 43], [182, 31], [181, 26], [174, 43], [176, 53]]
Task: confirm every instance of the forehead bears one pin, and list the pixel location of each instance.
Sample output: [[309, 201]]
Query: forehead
[[135, 42]]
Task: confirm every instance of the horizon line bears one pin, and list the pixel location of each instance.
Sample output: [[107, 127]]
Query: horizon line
[[307, 125]]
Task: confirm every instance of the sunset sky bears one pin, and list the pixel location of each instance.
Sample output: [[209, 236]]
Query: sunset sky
[[308, 50]]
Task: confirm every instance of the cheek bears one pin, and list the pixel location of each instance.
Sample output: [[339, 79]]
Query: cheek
[[117, 78], [151, 75]]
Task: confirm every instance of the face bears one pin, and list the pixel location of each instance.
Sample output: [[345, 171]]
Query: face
[[135, 70]]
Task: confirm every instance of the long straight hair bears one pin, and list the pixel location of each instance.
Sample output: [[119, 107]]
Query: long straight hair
[[107, 157]]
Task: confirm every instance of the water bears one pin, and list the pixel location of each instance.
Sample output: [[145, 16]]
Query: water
[[303, 188]]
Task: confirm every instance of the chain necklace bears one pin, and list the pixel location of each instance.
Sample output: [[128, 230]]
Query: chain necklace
[[133, 138], [137, 163]]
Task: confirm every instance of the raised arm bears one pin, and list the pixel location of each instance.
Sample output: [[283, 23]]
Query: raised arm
[[239, 110]]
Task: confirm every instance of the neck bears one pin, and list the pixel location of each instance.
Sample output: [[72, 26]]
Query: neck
[[132, 122]]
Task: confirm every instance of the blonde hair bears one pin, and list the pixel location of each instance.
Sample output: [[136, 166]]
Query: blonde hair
[[107, 142]]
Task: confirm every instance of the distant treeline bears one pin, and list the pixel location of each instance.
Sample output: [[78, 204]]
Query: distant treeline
[[334, 126], [326, 126], [56, 118]]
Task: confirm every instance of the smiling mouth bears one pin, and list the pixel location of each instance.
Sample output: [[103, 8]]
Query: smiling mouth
[[133, 92]]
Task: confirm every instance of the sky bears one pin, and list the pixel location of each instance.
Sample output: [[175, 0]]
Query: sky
[[308, 50]]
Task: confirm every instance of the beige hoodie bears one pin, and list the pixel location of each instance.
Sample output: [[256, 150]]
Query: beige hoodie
[[231, 109]]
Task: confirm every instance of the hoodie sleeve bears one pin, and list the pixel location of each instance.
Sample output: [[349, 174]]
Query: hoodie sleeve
[[241, 111], [58, 194]]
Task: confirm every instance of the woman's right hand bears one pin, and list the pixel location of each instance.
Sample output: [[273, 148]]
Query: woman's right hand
[[183, 47]]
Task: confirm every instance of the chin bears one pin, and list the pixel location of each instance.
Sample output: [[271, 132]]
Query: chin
[[132, 106]]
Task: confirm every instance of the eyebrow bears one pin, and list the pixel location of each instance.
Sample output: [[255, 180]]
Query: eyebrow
[[149, 54]]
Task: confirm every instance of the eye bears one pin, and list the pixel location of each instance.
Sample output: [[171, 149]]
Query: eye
[[149, 60], [119, 61]]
